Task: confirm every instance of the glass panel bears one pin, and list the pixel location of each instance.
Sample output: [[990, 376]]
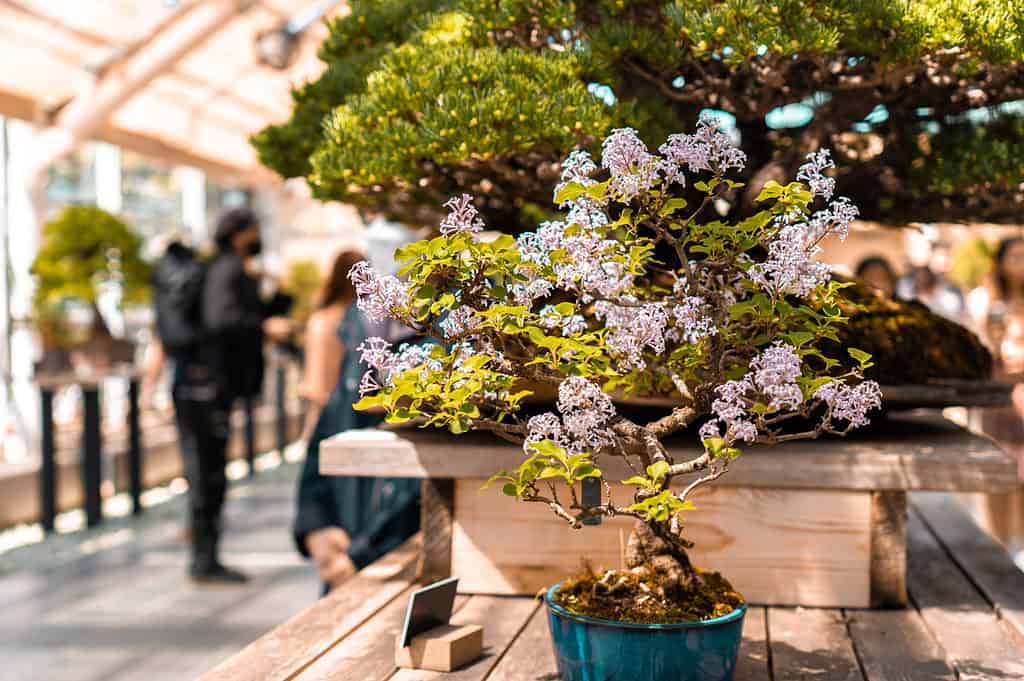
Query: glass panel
[[151, 194], [72, 179]]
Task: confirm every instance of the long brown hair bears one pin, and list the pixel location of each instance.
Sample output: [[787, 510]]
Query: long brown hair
[[999, 265], [337, 288]]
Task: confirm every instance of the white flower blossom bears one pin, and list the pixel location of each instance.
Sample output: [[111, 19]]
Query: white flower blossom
[[633, 168], [812, 173], [851, 402], [461, 320], [707, 149], [692, 322], [378, 297], [634, 329], [463, 216]]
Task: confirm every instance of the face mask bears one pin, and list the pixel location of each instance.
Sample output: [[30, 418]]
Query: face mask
[[255, 247]]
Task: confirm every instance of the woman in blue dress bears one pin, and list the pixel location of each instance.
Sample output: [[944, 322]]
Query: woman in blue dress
[[345, 523]]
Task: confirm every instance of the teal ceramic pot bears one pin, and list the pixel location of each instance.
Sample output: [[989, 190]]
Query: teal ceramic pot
[[592, 649]]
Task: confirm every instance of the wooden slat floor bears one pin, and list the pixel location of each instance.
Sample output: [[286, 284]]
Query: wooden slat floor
[[966, 622], [113, 603]]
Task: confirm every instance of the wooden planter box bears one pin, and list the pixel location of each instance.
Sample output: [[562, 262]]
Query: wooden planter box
[[818, 523]]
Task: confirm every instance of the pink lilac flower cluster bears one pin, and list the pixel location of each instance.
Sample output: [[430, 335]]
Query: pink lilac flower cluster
[[813, 173], [463, 216], [731, 409], [791, 267], [851, 402], [584, 425], [633, 168], [836, 219], [527, 294], [377, 355], [378, 297], [586, 414], [578, 166], [775, 372], [691, 322], [707, 149], [459, 321], [771, 379], [633, 329]]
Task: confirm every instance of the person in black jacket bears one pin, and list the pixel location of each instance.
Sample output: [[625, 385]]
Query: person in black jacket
[[235, 323]]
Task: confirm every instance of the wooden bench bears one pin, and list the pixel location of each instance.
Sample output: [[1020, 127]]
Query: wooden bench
[[966, 621], [807, 523]]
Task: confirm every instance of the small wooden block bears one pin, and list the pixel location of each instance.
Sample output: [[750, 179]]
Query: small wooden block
[[442, 649]]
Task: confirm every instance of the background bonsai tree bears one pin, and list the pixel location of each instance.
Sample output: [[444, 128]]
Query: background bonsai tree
[[78, 250], [728, 323], [424, 99]]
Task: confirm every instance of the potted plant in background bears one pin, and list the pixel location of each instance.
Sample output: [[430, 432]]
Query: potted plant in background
[[633, 292], [83, 249]]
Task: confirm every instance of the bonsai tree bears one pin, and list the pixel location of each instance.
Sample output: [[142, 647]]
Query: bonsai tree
[[80, 247], [423, 99], [302, 281], [728, 323]]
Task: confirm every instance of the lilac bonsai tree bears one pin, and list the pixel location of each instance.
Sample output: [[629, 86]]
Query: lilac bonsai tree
[[633, 292]]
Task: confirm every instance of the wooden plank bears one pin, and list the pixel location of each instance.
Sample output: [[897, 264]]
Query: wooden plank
[[752, 664], [368, 654], [888, 549], [895, 645], [964, 624], [811, 644], [502, 618], [985, 561], [436, 515], [904, 453], [291, 647], [531, 657], [809, 547]]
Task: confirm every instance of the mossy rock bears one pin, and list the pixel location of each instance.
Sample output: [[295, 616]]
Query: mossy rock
[[909, 344]]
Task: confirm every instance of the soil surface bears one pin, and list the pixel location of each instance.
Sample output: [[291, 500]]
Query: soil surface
[[647, 595]]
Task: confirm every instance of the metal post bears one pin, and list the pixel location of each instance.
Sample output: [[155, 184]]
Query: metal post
[[250, 434], [134, 447], [48, 465], [281, 415], [92, 444]]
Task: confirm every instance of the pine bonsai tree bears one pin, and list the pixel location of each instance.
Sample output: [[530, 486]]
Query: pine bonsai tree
[[423, 99]]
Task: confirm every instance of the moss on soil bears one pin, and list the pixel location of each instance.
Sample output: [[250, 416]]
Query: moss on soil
[[640, 596]]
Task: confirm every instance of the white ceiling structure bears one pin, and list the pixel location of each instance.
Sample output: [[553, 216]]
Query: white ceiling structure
[[174, 79]]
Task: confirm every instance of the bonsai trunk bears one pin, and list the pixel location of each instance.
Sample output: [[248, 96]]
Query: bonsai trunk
[[655, 546]]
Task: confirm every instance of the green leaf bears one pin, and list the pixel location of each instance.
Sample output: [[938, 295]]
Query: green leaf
[[671, 206], [771, 190], [571, 190], [657, 470], [864, 358], [509, 489], [637, 480]]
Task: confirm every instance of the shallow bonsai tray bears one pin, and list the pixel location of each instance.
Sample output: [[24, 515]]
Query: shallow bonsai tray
[[817, 523]]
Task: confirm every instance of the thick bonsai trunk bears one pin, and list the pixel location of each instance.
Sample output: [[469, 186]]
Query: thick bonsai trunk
[[656, 547]]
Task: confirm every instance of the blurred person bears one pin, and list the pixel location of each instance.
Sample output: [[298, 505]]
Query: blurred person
[[344, 523], [235, 321], [929, 285], [998, 313], [323, 347], [199, 410], [875, 271]]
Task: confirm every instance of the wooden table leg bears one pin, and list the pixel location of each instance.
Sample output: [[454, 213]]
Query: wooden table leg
[[436, 515], [888, 549]]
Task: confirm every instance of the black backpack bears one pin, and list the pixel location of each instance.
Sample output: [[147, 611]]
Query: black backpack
[[177, 299]]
